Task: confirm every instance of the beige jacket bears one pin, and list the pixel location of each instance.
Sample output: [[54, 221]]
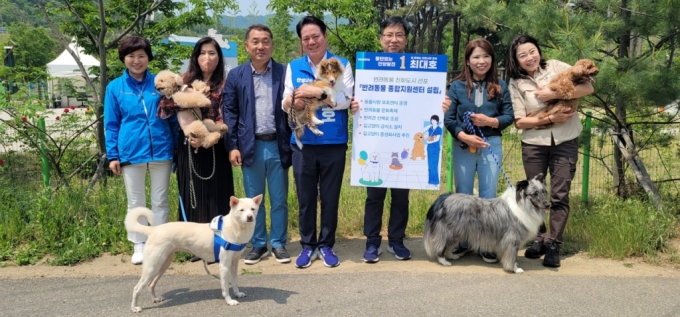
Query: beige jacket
[[524, 101]]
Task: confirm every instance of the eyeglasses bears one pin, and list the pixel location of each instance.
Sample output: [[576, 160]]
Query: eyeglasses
[[398, 36], [315, 37]]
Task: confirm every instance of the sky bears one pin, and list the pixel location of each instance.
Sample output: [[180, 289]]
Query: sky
[[244, 6]]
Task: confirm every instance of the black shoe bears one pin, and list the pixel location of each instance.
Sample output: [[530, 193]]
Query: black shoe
[[281, 255], [552, 256], [194, 259], [489, 257], [535, 251], [256, 254], [459, 251]]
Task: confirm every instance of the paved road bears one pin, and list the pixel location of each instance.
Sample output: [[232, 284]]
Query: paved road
[[355, 294]]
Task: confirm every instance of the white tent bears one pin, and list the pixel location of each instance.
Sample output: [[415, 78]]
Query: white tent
[[64, 66]]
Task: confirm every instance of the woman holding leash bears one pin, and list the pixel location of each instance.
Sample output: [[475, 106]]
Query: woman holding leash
[[137, 140], [555, 148], [204, 176], [480, 110]]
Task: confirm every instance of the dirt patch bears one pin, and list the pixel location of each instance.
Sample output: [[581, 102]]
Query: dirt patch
[[350, 253]]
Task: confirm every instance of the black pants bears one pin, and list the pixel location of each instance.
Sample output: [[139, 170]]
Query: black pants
[[318, 171], [561, 160], [373, 212]]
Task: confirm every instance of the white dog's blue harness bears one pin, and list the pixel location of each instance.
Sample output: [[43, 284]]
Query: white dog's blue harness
[[220, 242]]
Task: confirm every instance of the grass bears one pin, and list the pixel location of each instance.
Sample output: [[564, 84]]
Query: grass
[[251, 272], [614, 228], [71, 227]]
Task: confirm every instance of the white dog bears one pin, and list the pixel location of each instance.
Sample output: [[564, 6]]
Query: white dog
[[373, 167], [197, 238]]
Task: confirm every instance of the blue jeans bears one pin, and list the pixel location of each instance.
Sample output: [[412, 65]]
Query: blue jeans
[[466, 164], [267, 167]]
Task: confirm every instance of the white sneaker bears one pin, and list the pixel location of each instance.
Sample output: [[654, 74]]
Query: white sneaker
[[138, 256]]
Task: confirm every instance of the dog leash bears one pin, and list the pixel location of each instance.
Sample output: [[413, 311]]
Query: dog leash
[[192, 170], [181, 207], [471, 128]]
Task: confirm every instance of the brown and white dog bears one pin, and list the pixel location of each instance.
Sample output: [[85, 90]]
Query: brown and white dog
[[198, 239], [329, 77]]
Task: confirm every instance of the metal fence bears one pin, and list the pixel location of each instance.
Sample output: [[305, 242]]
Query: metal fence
[[662, 163]]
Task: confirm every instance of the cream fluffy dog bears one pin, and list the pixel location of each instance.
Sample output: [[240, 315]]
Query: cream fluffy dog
[[189, 99], [196, 238]]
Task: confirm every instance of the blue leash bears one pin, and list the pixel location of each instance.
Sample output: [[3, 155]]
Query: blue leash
[[471, 129], [181, 207]]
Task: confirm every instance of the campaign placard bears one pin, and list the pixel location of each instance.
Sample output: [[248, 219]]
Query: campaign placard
[[399, 128]]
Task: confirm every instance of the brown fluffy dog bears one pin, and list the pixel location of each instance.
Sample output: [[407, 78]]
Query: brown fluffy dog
[[418, 146], [563, 83], [189, 100], [329, 78]]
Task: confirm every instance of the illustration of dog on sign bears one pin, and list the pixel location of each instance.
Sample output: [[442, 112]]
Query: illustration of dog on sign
[[372, 168]]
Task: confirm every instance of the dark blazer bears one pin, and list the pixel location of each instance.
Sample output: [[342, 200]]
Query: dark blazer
[[238, 110]]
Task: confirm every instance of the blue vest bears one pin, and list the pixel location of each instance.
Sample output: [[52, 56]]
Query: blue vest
[[335, 122]]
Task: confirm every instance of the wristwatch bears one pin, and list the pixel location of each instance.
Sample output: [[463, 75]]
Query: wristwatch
[[323, 96]]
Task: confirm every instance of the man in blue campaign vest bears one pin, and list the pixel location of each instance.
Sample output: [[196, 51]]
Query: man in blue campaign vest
[[321, 155], [393, 39]]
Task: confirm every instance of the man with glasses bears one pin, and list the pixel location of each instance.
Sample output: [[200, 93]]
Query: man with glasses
[[259, 138], [319, 166], [393, 39]]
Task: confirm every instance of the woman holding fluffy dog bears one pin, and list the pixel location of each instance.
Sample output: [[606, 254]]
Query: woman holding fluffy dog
[[204, 176], [137, 140], [477, 90], [555, 148]]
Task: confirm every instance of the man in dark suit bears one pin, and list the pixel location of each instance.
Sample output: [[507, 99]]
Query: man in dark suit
[[259, 137]]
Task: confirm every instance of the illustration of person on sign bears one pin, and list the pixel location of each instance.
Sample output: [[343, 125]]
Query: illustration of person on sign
[[433, 135]]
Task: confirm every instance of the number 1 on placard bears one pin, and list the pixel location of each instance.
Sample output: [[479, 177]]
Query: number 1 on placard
[[403, 62]]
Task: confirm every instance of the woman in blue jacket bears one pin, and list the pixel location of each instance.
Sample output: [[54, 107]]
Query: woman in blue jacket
[[478, 92], [137, 140]]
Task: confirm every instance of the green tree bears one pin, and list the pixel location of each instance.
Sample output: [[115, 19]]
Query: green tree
[[19, 11], [34, 46], [360, 33], [98, 26], [285, 41]]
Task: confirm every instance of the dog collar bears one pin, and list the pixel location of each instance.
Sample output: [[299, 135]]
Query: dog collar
[[219, 241]]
